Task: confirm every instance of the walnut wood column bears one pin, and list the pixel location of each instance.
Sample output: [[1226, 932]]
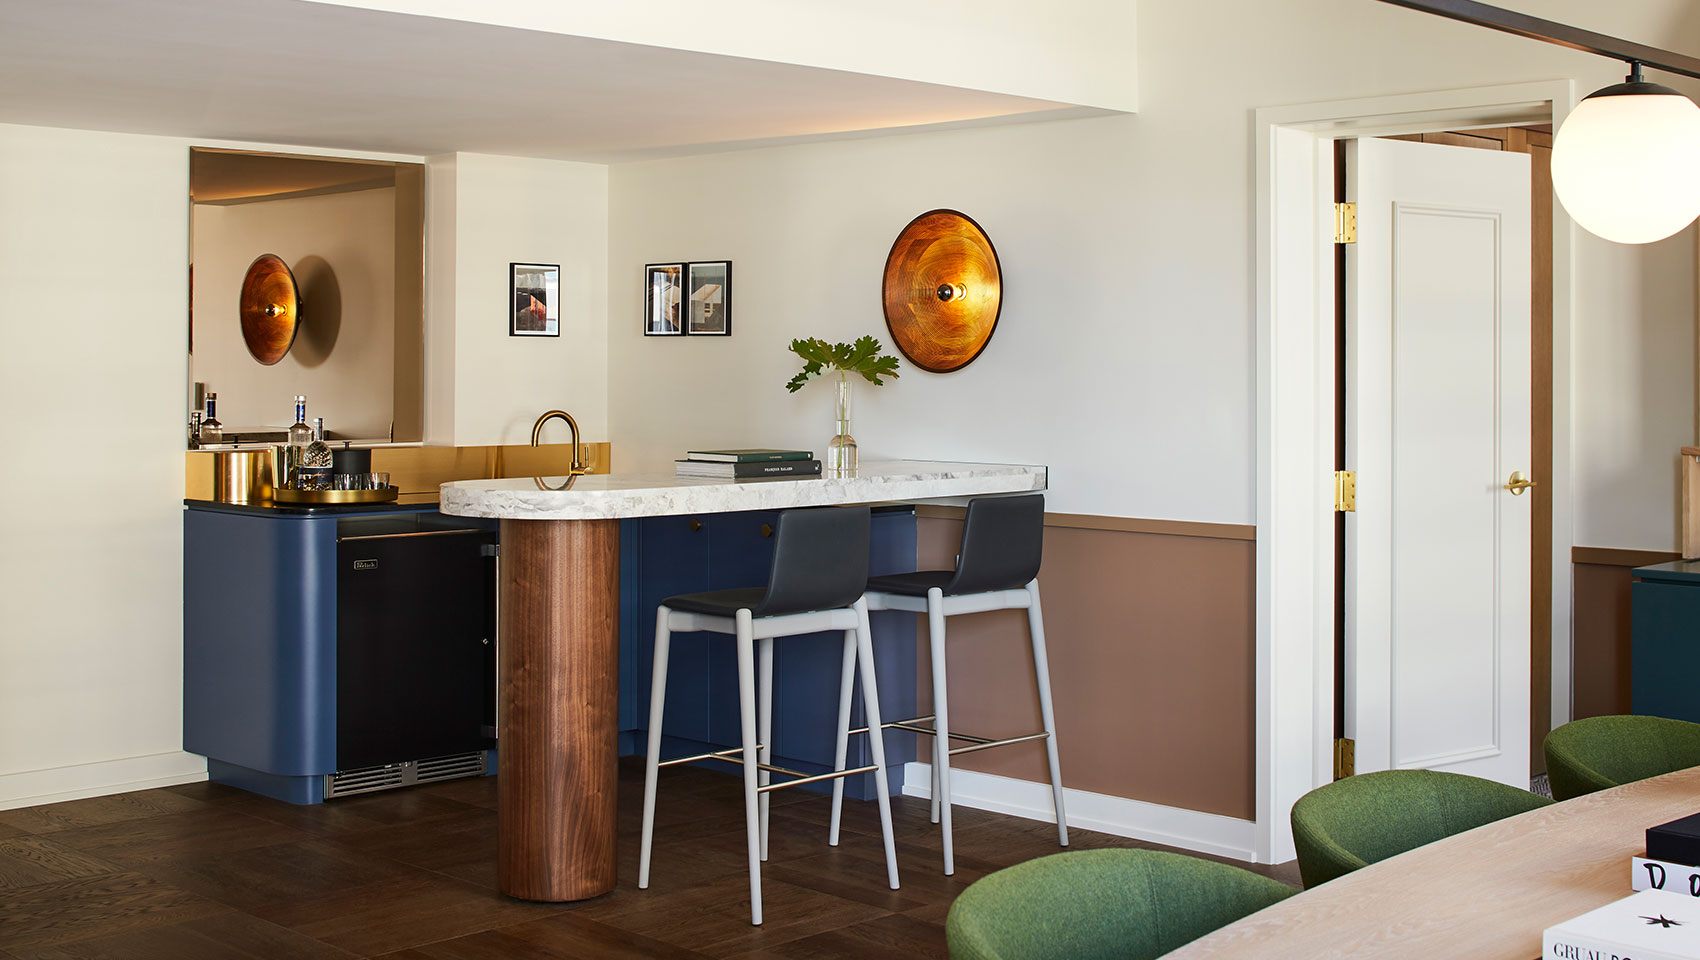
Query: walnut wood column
[[560, 695]]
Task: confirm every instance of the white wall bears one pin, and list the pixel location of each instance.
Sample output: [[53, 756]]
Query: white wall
[[1075, 51], [484, 213], [93, 244], [341, 248], [1124, 355]]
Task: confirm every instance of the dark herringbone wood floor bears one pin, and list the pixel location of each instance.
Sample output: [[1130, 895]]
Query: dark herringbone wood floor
[[202, 872]]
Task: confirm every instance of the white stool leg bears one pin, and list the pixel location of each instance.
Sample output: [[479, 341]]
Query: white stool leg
[[1042, 673], [941, 722], [846, 682], [747, 727], [652, 760], [934, 802], [876, 736], [764, 724]]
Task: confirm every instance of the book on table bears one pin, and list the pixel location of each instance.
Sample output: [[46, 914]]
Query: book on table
[[753, 455], [1650, 925], [1646, 873], [710, 470]]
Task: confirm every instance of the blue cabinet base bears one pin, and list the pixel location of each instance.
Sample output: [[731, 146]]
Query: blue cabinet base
[[297, 790], [288, 789]]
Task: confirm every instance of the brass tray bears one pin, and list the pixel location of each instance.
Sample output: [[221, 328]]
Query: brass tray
[[285, 495]]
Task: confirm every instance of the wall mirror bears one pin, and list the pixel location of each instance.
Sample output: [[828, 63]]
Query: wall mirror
[[352, 233]]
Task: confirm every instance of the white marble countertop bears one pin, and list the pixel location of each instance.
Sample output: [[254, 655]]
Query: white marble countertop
[[613, 496]]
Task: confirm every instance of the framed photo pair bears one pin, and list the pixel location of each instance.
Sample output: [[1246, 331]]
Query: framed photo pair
[[692, 299]]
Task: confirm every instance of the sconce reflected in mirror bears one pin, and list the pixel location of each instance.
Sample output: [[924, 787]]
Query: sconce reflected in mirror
[[270, 309]]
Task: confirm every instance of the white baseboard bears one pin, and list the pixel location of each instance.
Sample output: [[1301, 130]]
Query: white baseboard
[[31, 788], [1154, 823]]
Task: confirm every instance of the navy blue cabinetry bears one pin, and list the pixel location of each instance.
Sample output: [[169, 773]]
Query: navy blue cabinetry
[[354, 644], [269, 692], [1665, 640], [664, 556]]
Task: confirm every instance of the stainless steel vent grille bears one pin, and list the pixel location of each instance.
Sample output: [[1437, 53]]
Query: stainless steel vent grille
[[391, 775], [451, 768]]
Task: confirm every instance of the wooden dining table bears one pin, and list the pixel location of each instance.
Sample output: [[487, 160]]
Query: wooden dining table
[[1486, 893]]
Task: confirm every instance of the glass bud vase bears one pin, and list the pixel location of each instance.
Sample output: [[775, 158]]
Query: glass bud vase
[[841, 451]]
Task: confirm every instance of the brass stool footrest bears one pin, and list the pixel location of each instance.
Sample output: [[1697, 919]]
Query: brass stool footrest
[[803, 778], [913, 724], [729, 756], [732, 756]]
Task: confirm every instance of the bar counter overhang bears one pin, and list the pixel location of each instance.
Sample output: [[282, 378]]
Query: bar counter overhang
[[559, 637]]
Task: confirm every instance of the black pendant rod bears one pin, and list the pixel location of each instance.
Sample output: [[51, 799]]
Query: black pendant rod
[[1587, 41]]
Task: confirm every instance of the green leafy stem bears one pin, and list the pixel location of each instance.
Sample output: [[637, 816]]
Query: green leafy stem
[[861, 357]]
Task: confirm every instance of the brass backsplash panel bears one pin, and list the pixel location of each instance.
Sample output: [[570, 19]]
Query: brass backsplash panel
[[419, 471]]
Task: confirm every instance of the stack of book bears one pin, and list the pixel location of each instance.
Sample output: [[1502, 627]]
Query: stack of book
[[747, 464]]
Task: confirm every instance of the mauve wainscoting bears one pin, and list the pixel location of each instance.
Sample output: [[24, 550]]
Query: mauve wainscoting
[[1151, 633], [1600, 600]]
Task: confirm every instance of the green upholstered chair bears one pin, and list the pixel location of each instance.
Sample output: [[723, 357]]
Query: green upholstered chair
[[1102, 904], [1354, 822], [1600, 752]]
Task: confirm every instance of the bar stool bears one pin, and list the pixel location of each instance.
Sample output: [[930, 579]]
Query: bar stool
[[997, 569], [820, 568]]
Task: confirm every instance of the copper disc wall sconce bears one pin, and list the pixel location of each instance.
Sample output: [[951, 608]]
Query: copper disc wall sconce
[[943, 291], [270, 309]]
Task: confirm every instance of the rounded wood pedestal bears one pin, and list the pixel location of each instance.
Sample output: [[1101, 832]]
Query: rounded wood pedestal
[[559, 703]]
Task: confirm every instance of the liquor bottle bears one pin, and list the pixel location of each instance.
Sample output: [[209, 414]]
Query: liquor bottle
[[316, 460], [299, 433], [211, 430], [194, 430], [299, 436]]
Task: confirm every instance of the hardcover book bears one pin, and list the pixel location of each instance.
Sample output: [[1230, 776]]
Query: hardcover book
[[746, 471], [753, 455], [1677, 841], [1647, 874], [1650, 925]]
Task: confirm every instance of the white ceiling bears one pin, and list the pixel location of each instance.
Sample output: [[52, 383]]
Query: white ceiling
[[292, 72]]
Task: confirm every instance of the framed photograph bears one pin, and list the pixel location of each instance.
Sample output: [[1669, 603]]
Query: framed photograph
[[663, 295], [710, 286], [534, 299]]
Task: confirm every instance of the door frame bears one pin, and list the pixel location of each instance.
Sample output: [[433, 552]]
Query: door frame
[[1293, 241]]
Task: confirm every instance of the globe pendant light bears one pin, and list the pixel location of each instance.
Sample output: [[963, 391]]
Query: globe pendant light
[[1626, 162]]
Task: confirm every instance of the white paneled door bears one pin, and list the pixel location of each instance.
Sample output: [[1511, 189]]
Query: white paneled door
[[1437, 421]]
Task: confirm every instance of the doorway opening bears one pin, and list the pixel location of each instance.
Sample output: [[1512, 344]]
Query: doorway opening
[[1295, 417]]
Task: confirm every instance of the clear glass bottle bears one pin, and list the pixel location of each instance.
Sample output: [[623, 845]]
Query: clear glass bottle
[[296, 449], [194, 429], [299, 433], [316, 460], [211, 430]]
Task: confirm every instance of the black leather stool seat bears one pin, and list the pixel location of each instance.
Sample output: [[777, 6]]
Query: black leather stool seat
[[913, 584], [719, 603]]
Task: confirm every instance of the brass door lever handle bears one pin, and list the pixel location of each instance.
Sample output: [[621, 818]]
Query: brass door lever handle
[[1519, 482]]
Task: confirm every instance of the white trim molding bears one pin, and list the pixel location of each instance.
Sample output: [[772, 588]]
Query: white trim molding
[[1295, 417], [30, 788], [1154, 823]]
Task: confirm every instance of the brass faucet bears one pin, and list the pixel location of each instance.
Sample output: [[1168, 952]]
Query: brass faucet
[[577, 468]]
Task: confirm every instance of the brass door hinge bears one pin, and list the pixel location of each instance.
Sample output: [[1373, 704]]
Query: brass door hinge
[[1345, 491], [1345, 757], [1345, 223]]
